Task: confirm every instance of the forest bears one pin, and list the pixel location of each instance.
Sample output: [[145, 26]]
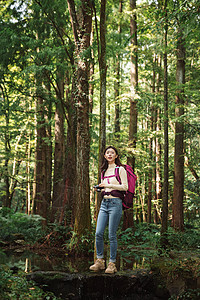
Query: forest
[[77, 76]]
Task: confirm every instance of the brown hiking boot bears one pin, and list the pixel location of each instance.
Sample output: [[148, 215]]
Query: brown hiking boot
[[111, 269], [98, 265]]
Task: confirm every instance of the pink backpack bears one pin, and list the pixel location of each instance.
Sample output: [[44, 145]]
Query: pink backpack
[[127, 200]]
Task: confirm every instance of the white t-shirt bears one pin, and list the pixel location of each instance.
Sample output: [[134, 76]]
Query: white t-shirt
[[112, 183]]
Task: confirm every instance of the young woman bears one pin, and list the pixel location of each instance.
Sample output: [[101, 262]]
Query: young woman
[[111, 208]]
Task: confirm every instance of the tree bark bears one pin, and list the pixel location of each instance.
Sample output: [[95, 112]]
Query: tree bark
[[40, 203], [70, 156], [48, 129], [82, 32], [178, 194], [134, 83], [158, 175], [166, 141], [40, 199], [6, 199], [117, 80], [116, 92], [151, 148], [128, 216], [103, 71], [91, 76], [28, 179], [58, 179]]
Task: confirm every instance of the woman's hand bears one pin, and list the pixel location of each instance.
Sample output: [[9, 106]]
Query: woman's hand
[[102, 185]]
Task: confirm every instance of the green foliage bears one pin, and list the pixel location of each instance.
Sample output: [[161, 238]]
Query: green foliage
[[144, 242], [139, 243], [189, 239], [188, 295], [184, 266], [80, 245], [29, 226], [16, 287]]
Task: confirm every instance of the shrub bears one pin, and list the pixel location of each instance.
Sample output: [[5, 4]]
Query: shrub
[[16, 287], [30, 226]]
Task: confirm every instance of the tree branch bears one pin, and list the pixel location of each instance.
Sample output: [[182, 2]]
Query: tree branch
[[58, 31], [74, 21]]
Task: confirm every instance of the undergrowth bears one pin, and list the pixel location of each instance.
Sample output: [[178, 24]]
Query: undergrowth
[[145, 237], [28, 226], [16, 287]]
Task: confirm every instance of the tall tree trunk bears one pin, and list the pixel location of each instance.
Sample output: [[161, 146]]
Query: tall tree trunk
[[134, 83], [58, 179], [40, 190], [128, 215], [70, 155], [28, 179], [116, 92], [91, 75], [48, 117], [103, 71], [178, 194], [151, 148], [82, 32], [40, 200], [117, 80], [150, 179], [158, 176], [6, 200], [166, 141], [154, 127], [150, 173]]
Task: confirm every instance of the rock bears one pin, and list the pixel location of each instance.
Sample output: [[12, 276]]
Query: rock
[[138, 286]]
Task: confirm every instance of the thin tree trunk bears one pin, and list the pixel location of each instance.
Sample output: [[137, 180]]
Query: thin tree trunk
[[128, 215], [154, 122], [91, 75], [116, 92], [6, 200], [28, 185], [70, 156], [134, 83], [40, 200], [191, 167], [14, 182], [48, 117], [149, 184], [158, 176], [58, 179], [117, 80], [103, 71], [178, 194], [151, 149], [166, 142]]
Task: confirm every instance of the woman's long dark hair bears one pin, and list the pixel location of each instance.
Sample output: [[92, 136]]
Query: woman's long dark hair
[[104, 165]]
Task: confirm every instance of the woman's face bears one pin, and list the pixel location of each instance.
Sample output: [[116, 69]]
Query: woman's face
[[110, 155]]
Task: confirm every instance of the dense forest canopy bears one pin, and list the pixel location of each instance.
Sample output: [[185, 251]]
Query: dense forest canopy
[[78, 75]]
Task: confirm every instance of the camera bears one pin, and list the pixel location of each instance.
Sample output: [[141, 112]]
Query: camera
[[98, 188]]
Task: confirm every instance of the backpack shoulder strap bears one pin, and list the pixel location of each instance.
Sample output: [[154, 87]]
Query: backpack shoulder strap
[[102, 174], [117, 174]]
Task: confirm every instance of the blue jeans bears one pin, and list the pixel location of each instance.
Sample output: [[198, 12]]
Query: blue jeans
[[110, 213]]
